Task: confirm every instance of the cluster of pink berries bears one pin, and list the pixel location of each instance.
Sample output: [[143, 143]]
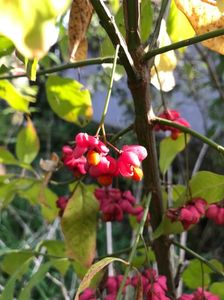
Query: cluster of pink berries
[[191, 212], [216, 213], [114, 204], [154, 286], [111, 286], [188, 214], [174, 116], [90, 155], [199, 294]]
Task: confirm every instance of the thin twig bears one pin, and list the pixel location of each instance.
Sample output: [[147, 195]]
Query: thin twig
[[198, 256], [78, 64], [59, 284], [108, 23], [158, 24], [134, 247], [121, 133], [212, 72], [192, 132], [105, 109], [194, 40]]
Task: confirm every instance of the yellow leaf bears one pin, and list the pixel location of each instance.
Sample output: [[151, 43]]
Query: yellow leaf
[[176, 22], [220, 5], [31, 24], [204, 17], [80, 17], [165, 63]]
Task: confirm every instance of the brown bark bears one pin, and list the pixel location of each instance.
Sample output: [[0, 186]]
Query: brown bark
[[143, 112]]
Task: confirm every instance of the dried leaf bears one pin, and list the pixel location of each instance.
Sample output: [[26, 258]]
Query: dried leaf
[[80, 17], [204, 17], [93, 270], [50, 165]]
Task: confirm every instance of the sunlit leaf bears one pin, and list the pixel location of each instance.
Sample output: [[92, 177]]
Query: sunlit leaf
[[176, 22], [27, 145], [69, 100], [114, 5], [79, 19], [31, 24], [93, 270], [204, 17], [31, 68], [13, 97], [79, 223], [169, 148]]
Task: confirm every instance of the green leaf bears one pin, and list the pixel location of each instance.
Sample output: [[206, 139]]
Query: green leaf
[[217, 288], [146, 20], [14, 98], [33, 23], [169, 148], [93, 270], [37, 193], [27, 145], [217, 264], [34, 191], [56, 248], [6, 46], [178, 26], [6, 157], [34, 281], [207, 185], [69, 100], [142, 256], [193, 276], [13, 260], [114, 5], [7, 193], [31, 68], [167, 227], [13, 187], [8, 292], [177, 191], [79, 224], [4, 69]]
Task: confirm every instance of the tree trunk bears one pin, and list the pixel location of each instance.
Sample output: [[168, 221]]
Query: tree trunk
[[140, 90]]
